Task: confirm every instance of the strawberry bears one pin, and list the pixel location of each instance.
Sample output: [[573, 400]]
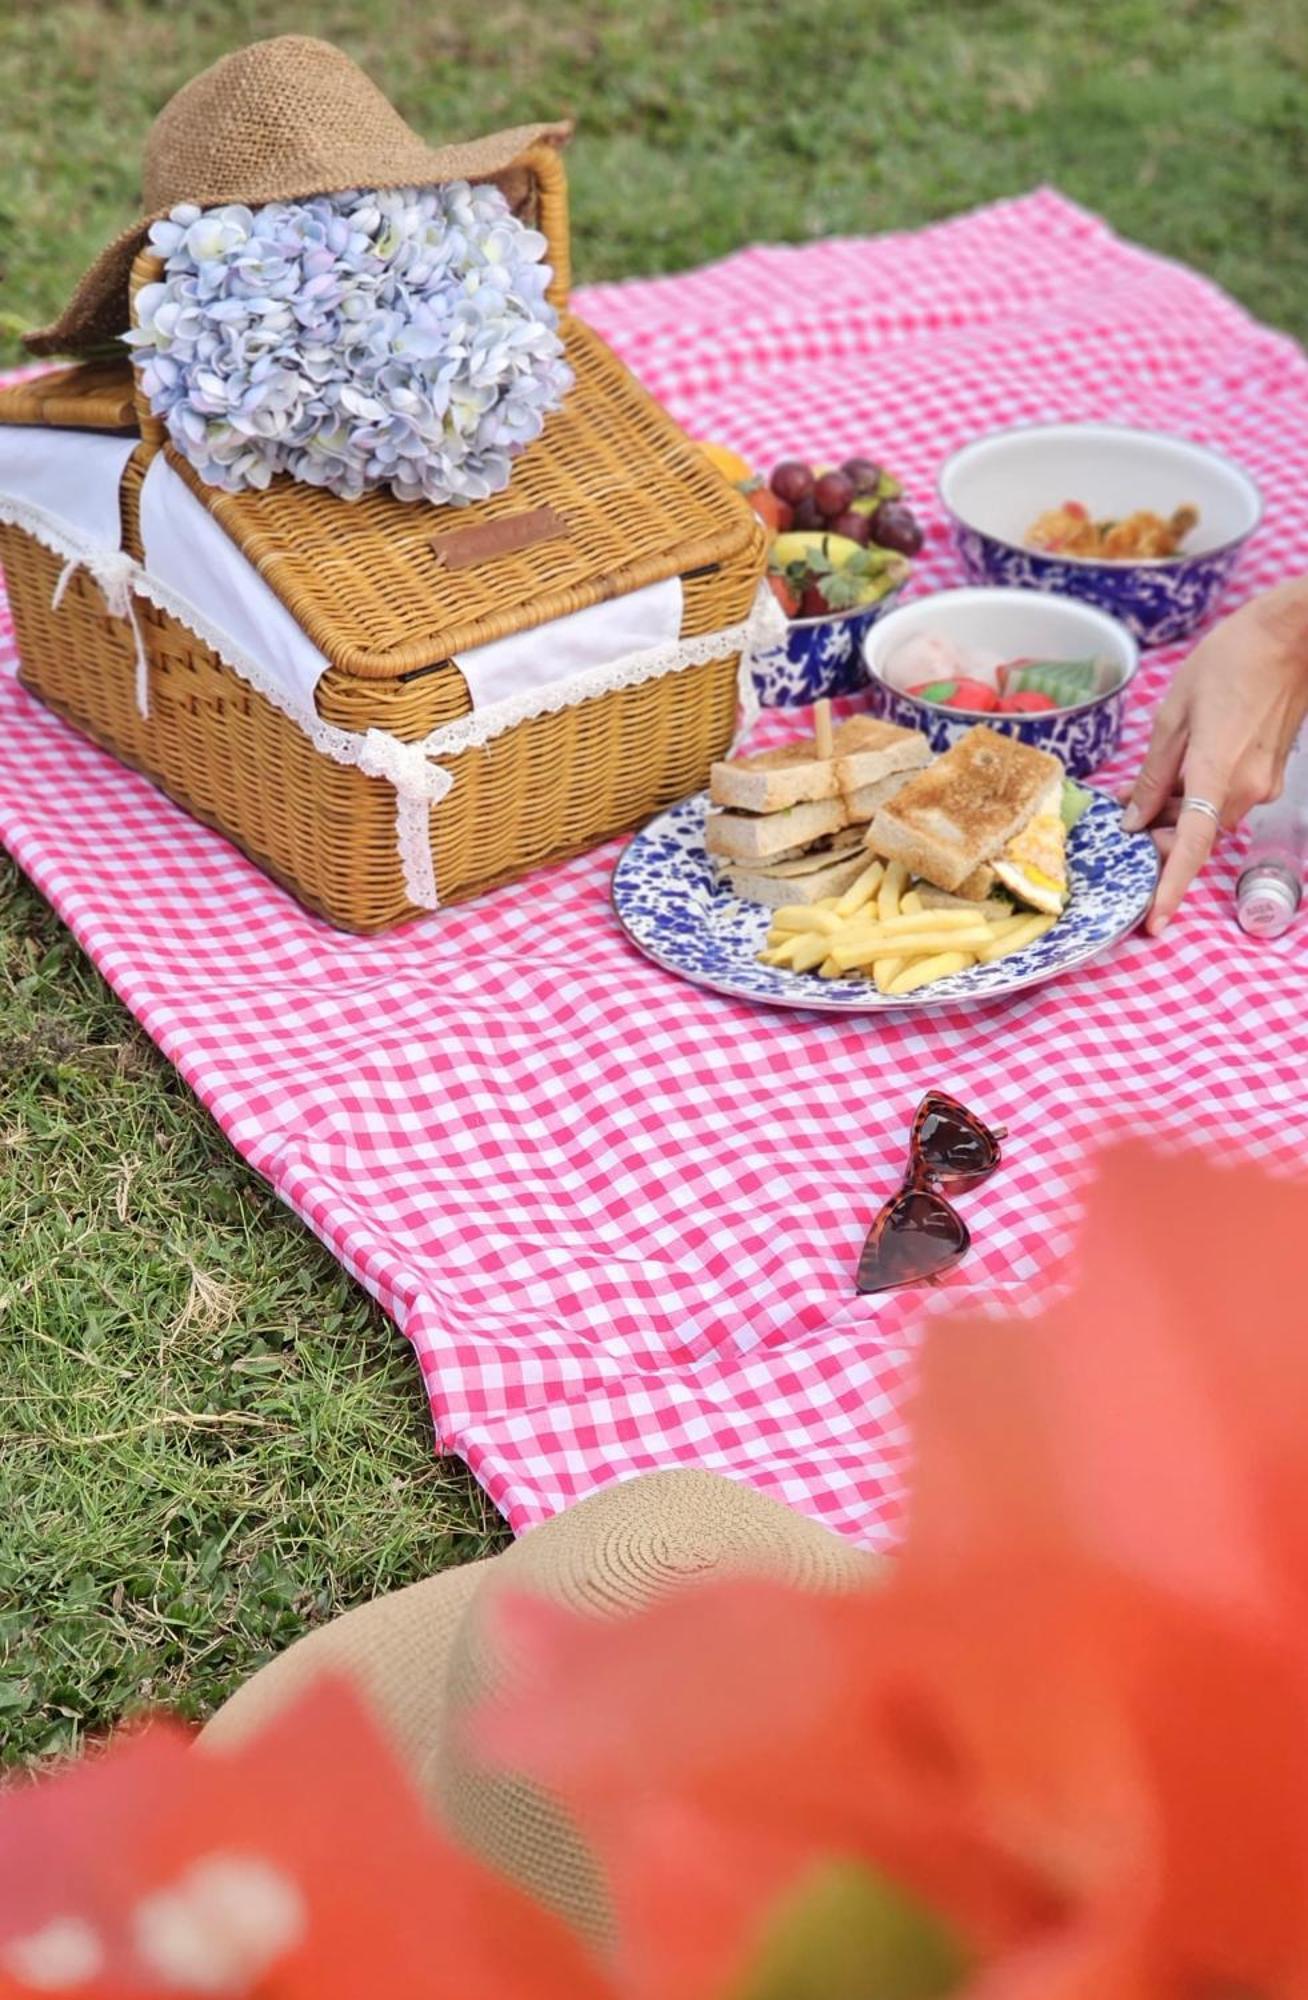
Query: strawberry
[[777, 514], [813, 604], [785, 596]]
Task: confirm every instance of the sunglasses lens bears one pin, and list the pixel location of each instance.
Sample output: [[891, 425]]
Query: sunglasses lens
[[955, 1146], [916, 1236]]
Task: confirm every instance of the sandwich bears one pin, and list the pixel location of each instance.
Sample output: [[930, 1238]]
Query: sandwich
[[989, 809], [862, 752], [789, 824]]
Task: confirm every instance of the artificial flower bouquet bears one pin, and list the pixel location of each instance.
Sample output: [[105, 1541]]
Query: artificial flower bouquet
[[1055, 1753], [398, 338]]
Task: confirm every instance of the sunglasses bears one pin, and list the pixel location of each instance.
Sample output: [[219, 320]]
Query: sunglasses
[[917, 1235]]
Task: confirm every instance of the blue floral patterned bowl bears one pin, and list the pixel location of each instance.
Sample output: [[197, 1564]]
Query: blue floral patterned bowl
[[1014, 625], [818, 657], [992, 491]]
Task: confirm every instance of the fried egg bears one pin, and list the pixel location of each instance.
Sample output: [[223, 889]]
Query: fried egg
[[1034, 864]]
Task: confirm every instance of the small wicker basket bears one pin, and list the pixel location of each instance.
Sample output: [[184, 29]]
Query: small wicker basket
[[640, 503]]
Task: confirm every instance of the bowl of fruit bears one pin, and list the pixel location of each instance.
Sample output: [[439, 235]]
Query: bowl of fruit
[[843, 543], [1050, 670]]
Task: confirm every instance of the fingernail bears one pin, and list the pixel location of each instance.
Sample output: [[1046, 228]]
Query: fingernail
[[1158, 925], [1133, 818]]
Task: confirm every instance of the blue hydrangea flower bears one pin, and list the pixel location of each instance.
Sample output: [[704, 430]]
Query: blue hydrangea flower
[[399, 338]]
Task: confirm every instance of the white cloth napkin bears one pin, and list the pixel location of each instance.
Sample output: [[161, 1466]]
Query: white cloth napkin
[[72, 477]]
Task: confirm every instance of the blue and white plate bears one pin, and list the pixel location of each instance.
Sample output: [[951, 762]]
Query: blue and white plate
[[667, 898]]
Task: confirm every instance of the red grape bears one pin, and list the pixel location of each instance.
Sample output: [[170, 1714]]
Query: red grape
[[863, 474], [792, 481], [808, 514], [857, 526], [894, 526], [833, 494]]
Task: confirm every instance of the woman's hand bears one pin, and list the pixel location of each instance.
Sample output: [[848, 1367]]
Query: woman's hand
[[1223, 733]]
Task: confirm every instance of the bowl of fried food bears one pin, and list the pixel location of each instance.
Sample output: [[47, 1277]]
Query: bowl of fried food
[[1145, 526]]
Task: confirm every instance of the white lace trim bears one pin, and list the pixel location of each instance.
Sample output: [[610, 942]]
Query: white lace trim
[[418, 783], [483, 725]]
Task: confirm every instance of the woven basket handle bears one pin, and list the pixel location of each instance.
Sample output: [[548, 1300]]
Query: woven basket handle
[[147, 269], [545, 165]]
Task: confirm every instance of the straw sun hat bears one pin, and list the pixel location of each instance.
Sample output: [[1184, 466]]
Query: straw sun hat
[[427, 1656], [277, 121]]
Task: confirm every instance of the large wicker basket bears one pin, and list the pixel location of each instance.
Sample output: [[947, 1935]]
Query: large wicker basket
[[641, 505]]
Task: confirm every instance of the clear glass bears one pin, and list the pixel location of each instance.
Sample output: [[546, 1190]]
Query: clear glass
[[1270, 888]]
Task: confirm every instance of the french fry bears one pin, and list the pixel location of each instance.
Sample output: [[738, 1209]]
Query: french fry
[[1027, 930], [891, 889], [907, 923], [910, 904], [884, 971], [861, 890], [801, 917], [999, 927], [810, 951], [779, 954], [826, 747], [871, 945], [829, 970], [923, 971], [905, 929]]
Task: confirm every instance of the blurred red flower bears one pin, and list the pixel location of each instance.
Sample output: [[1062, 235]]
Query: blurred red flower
[[300, 1867], [1059, 1751], [1072, 1721]]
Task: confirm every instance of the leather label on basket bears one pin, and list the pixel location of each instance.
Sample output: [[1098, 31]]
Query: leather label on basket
[[462, 548]]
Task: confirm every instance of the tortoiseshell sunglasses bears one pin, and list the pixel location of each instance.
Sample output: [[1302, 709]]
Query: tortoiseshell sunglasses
[[917, 1235]]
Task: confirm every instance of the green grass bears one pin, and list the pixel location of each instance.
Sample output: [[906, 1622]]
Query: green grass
[[208, 1437]]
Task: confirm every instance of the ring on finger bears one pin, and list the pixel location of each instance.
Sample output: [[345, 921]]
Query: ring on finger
[[1191, 803]]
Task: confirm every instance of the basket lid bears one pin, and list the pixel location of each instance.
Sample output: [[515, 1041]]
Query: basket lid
[[92, 396], [611, 497]]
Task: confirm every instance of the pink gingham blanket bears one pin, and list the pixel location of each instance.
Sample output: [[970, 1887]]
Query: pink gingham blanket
[[617, 1216]]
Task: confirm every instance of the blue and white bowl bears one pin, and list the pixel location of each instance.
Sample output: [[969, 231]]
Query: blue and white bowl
[[992, 491], [1015, 625], [818, 657]]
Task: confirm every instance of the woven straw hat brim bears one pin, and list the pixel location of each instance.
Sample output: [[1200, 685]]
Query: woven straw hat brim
[[98, 313], [427, 1658], [280, 120]]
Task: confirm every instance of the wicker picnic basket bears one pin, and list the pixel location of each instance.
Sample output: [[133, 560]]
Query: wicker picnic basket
[[640, 505]]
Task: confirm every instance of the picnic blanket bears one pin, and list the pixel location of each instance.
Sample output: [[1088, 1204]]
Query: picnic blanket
[[618, 1216]]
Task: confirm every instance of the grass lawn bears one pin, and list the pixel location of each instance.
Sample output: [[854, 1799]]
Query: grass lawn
[[208, 1438]]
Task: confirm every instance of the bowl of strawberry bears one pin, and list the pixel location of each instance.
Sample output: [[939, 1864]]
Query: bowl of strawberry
[[1053, 671], [843, 544]]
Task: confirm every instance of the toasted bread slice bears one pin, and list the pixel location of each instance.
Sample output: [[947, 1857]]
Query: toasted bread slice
[[807, 860], [770, 780], [863, 803], [761, 836], [977, 886], [868, 750], [964, 808], [777, 891]]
